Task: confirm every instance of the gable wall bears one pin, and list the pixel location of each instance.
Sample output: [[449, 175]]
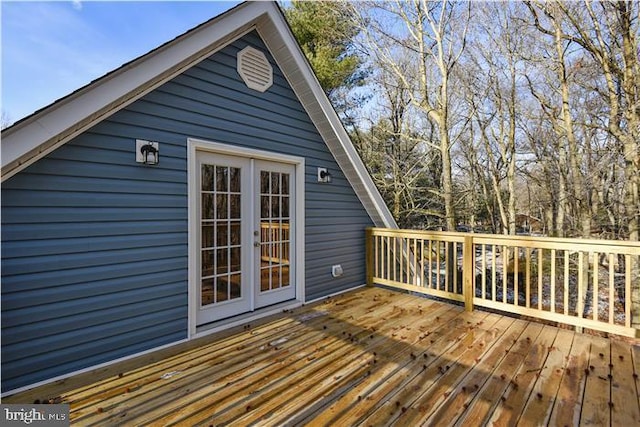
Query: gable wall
[[94, 245]]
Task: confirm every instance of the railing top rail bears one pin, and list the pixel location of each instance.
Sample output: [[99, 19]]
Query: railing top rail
[[420, 234], [587, 245]]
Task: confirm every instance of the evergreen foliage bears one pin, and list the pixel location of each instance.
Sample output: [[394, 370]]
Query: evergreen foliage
[[325, 33]]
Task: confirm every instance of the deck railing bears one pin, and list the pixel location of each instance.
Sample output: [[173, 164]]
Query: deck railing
[[579, 282]]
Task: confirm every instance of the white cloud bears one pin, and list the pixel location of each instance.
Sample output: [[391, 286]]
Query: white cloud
[[77, 4]]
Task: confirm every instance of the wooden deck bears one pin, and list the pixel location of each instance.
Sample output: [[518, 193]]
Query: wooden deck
[[369, 357]]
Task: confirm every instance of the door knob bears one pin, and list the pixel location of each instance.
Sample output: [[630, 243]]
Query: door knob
[[256, 244]]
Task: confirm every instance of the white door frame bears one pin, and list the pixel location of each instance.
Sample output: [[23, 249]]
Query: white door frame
[[195, 145]]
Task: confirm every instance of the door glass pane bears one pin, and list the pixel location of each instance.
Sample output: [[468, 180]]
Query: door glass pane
[[274, 234], [207, 263], [207, 206], [222, 289], [207, 177], [222, 181], [220, 228], [264, 206], [207, 291], [285, 253], [234, 206], [222, 236], [207, 235], [275, 183], [234, 180], [264, 182], [235, 237], [234, 282], [265, 275], [221, 206], [222, 261], [275, 207], [278, 276], [284, 211], [235, 260]]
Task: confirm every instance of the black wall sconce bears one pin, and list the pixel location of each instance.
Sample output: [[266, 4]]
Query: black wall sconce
[[147, 152], [324, 175]]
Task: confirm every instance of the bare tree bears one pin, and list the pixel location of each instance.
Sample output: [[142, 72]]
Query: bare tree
[[432, 36], [608, 33], [400, 162]]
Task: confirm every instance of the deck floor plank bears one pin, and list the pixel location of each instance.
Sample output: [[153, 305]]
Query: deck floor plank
[[428, 402], [389, 376], [409, 346], [623, 385], [147, 379], [372, 352], [386, 393], [204, 366], [404, 402], [509, 410], [483, 404], [568, 404], [185, 394], [595, 404], [371, 356], [326, 370], [114, 386], [473, 383], [540, 404]]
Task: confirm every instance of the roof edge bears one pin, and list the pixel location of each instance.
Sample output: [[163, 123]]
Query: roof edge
[[47, 129], [50, 127]]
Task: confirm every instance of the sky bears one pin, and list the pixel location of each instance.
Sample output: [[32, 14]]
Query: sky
[[49, 49]]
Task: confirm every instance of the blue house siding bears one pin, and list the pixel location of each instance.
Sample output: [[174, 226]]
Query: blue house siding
[[94, 245]]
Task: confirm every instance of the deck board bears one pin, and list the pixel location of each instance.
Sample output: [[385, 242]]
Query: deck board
[[540, 404], [623, 385], [368, 357], [595, 404], [568, 404]]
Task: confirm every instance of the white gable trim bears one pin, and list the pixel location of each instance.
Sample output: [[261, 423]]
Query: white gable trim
[[36, 136]]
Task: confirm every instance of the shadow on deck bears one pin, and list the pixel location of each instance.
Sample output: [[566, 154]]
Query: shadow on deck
[[368, 357]]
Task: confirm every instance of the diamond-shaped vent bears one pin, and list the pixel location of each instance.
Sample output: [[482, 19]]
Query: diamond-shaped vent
[[254, 68]]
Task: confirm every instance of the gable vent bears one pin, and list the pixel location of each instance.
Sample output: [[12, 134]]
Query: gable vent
[[254, 68]]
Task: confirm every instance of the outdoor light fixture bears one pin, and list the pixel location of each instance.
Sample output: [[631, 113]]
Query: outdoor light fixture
[[147, 152], [324, 175]]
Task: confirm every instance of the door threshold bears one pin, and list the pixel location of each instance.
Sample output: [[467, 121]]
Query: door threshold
[[239, 319]]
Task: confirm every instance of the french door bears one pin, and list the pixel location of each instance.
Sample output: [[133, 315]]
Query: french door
[[246, 245], [273, 217]]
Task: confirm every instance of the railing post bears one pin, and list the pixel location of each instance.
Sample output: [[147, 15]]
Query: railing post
[[368, 233], [468, 272]]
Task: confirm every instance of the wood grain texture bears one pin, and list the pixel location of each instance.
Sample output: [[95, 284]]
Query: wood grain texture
[[368, 357]]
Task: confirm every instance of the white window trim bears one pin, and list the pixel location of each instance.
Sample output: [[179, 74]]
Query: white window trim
[[193, 146]]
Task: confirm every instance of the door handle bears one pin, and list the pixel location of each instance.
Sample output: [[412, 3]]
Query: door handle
[[256, 244]]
